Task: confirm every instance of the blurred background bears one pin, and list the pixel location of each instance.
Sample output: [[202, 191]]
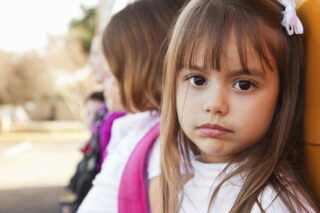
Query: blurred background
[[44, 80]]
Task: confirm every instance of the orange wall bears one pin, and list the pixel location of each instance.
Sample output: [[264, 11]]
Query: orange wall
[[309, 12]]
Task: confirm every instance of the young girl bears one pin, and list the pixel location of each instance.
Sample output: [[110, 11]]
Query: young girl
[[132, 45], [232, 109]]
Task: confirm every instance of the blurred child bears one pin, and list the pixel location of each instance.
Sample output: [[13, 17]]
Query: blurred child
[[233, 108], [99, 122], [69, 196], [93, 104], [132, 45]]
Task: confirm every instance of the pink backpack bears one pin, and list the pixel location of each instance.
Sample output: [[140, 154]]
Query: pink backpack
[[133, 193]]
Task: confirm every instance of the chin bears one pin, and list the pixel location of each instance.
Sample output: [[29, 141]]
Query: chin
[[214, 146]]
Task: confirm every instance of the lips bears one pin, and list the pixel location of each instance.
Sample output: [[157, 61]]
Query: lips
[[213, 130]]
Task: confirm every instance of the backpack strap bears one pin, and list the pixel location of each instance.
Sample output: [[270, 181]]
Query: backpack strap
[[133, 193]]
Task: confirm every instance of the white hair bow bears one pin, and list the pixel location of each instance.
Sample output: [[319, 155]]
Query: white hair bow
[[290, 19]]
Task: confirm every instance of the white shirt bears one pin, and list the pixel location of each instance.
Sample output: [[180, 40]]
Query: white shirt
[[126, 133], [198, 191]]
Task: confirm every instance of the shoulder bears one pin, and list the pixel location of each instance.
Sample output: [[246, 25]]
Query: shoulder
[[154, 160], [108, 121], [272, 203], [136, 122], [121, 127]]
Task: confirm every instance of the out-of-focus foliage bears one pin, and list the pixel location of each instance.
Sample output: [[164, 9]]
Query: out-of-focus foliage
[[6, 67], [31, 76], [53, 75], [83, 29], [24, 78], [65, 53]]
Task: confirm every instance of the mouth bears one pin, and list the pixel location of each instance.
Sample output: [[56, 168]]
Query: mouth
[[213, 130]]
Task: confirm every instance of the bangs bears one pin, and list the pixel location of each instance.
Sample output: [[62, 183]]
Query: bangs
[[206, 33]]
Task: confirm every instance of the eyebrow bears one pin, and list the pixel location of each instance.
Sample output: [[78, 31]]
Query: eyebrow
[[194, 67], [253, 72], [236, 72]]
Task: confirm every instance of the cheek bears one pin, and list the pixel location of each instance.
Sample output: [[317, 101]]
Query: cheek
[[188, 107], [115, 96], [255, 116], [88, 119], [179, 102], [113, 101], [109, 90], [182, 100]]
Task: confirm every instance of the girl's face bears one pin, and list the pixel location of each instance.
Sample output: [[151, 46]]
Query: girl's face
[[92, 107], [111, 94], [224, 112]]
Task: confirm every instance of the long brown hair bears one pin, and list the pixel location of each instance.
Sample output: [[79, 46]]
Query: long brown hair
[[276, 159], [133, 44]]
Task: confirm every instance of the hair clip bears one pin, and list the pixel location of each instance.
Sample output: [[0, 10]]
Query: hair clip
[[290, 19]]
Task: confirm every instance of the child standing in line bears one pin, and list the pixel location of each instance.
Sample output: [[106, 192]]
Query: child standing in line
[[100, 121], [233, 108], [132, 44], [70, 196]]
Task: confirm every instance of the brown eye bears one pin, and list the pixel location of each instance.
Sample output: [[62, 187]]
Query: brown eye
[[243, 85], [197, 80]]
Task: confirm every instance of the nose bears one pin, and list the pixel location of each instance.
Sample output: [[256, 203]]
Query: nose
[[216, 101]]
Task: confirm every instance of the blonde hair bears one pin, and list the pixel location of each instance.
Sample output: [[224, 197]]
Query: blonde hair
[[258, 22], [134, 47]]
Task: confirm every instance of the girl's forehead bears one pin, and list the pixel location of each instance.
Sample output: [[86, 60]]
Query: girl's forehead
[[219, 33], [231, 55]]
